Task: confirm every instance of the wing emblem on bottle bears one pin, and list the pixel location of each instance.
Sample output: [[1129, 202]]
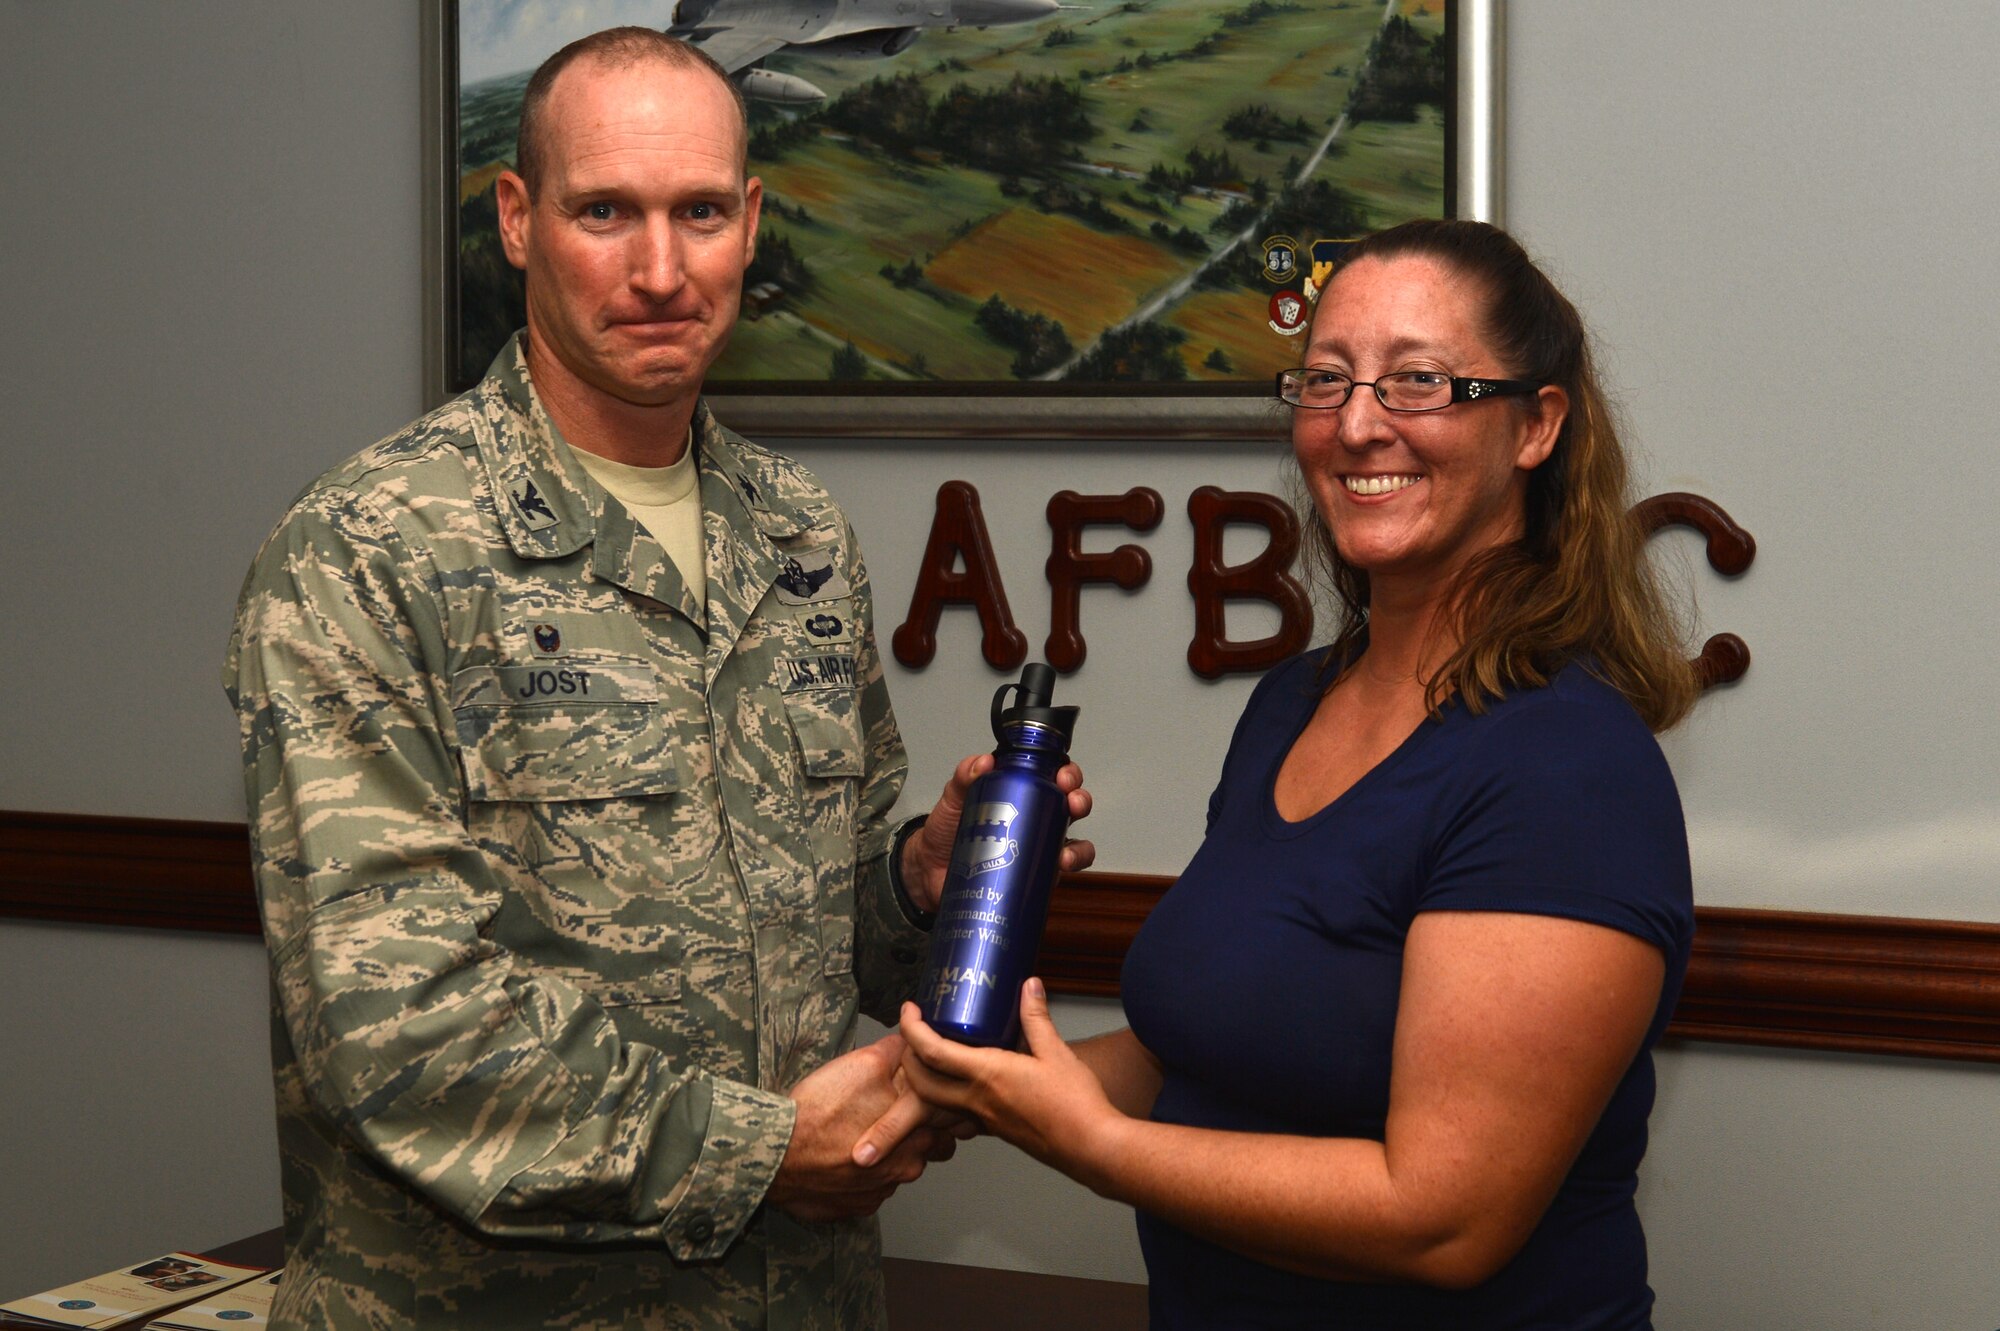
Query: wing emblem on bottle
[[987, 842]]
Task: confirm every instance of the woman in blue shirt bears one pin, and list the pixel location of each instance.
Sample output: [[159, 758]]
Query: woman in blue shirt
[[1389, 1062]]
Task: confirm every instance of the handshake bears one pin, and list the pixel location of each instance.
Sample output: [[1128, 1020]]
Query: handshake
[[862, 1131], [860, 1094]]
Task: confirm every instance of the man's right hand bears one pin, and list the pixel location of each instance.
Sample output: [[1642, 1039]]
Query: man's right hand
[[818, 1179]]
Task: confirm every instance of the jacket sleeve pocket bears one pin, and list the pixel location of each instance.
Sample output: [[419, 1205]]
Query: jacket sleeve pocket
[[828, 731]]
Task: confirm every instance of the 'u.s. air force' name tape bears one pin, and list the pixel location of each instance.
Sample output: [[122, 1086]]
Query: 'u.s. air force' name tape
[[818, 672]]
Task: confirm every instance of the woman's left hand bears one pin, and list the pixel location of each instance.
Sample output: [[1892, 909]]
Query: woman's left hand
[[1045, 1101]]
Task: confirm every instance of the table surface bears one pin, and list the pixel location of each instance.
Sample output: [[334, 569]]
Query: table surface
[[923, 1296]]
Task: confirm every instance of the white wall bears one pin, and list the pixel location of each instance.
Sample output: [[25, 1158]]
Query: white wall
[[1774, 215], [1778, 217]]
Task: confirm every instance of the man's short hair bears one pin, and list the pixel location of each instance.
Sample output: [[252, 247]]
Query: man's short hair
[[616, 48]]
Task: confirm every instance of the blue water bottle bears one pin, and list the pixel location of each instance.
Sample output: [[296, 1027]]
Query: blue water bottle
[[1003, 866]]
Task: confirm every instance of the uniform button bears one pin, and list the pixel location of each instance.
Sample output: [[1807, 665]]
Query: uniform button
[[903, 956], [700, 1229]]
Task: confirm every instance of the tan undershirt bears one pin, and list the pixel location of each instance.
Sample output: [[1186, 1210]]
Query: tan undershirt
[[667, 503]]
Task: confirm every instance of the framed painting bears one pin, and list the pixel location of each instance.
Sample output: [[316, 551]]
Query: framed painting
[[994, 218]]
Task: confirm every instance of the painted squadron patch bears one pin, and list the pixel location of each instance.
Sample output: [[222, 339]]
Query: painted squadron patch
[[1288, 314], [1324, 253], [1281, 259]]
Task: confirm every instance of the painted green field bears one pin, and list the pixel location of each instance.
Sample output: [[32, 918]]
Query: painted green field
[[1396, 170]]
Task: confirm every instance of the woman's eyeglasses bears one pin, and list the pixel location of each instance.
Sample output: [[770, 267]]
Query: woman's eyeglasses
[[1411, 390]]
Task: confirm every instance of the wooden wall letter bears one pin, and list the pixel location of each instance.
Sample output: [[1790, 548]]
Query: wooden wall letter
[[1069, 567], [958, 530], [1724, 657], [1268, 577]]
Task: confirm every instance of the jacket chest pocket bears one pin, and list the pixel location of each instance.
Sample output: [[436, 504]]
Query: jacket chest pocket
[[832, 760], [572, 793], [584, 730]]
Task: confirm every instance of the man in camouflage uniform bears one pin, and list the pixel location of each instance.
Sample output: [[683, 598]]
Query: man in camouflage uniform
[[574, 875]]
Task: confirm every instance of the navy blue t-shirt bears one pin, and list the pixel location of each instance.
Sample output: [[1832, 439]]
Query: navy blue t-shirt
[[1266, 980]]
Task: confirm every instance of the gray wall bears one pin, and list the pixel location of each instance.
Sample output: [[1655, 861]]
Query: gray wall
[[207, 231], [1775, 217]]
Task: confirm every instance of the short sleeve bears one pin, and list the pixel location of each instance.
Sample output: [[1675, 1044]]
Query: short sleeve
[[1566, 807]]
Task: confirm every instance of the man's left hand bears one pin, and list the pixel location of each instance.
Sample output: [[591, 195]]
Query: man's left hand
[[927, 855]]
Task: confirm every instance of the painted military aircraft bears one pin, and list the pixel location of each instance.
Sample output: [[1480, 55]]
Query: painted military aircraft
[[741, 33]]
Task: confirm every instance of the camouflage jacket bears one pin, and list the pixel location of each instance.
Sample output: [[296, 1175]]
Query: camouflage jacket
[[564, 880]]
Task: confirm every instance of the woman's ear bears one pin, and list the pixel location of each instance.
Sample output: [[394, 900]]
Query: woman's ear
[[1539, 438]]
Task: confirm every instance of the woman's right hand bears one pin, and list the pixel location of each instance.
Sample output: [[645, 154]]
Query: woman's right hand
[[1045, 1101]]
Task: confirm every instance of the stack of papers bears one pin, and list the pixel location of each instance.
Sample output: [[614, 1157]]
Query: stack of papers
[[246, 1305], [124, 1295]]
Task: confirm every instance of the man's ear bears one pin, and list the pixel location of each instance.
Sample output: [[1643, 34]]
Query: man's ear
[[510, 192], [753, 208]]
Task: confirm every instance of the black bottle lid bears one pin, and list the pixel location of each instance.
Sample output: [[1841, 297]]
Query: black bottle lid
[[1031, 703]]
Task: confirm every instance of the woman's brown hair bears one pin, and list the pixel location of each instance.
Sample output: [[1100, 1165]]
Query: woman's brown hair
[[1577, 585]]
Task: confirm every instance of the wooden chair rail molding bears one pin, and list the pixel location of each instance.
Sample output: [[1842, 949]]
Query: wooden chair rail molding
[[1856, 983]]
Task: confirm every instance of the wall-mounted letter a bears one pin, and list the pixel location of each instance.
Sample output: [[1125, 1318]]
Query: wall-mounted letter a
[[959, 531]]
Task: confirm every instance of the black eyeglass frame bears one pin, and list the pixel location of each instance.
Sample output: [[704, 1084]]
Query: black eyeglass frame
[[1462, 390]]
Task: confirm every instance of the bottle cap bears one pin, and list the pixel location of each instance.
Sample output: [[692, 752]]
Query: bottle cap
[[1031, 703]]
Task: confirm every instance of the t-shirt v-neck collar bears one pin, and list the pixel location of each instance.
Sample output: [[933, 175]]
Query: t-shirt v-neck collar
[[1278, 825]]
